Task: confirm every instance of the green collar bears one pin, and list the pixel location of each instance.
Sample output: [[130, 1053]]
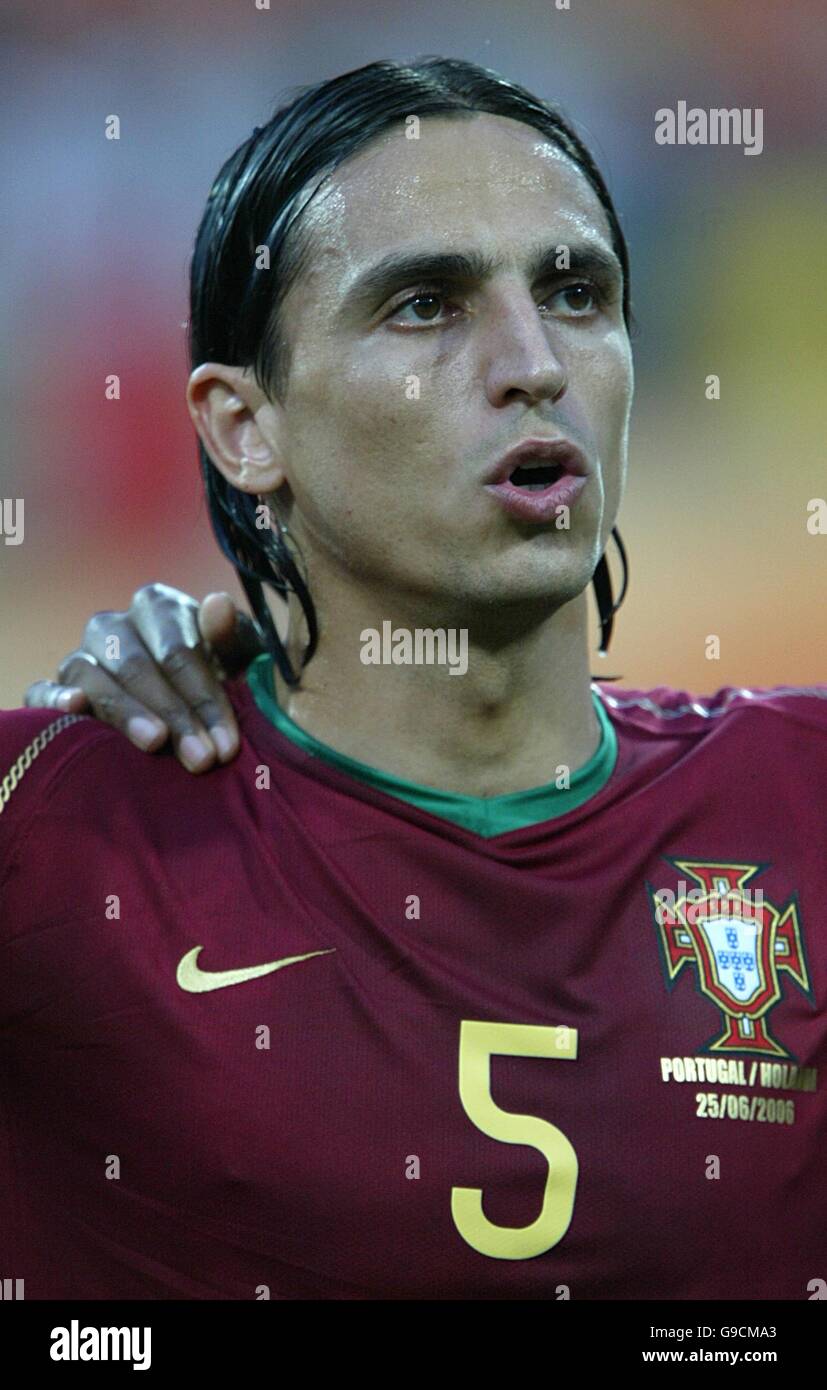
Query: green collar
[[486, 816]]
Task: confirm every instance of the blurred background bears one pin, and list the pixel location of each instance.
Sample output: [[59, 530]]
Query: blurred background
[[728, 277]]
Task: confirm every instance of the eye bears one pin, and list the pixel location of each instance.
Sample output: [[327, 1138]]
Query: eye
[[581, 299], [425, 302]]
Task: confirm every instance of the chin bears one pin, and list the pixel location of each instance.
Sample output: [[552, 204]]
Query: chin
[[557, 577], [539, 592]]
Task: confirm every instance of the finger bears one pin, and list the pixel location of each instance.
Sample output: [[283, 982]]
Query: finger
[[167, 622], [189, 672], [111, 704], [50, 695], [230, 634], [139, 687]]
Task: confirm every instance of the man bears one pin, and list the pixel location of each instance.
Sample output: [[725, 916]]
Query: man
[[436, 987]]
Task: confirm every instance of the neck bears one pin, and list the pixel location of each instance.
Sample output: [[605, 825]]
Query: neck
[[520, 712]]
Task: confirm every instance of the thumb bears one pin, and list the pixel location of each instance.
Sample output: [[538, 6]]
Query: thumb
[[216, 618], [231, 634]]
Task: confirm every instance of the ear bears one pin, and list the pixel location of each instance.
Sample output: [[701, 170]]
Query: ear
[[239, 426]]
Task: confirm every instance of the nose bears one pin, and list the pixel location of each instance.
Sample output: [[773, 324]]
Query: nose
[[520, 360]]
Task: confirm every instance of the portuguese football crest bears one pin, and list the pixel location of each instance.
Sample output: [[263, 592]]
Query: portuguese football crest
[[739, 944]]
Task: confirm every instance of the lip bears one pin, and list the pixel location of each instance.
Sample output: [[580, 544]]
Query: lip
[[560, 451], [539, 506]]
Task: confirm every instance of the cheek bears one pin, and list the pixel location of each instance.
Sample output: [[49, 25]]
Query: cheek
[[372, 433], [354, 447], [617, 461], [605, 400]]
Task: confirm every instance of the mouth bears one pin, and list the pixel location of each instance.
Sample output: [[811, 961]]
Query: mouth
[[538, 477], [535, 464], [535, 477]]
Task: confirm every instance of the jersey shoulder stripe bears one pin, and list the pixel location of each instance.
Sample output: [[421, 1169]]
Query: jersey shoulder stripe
[[681, 711]]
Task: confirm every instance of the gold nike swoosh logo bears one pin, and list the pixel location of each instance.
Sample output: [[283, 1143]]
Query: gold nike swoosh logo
[[194, 980]]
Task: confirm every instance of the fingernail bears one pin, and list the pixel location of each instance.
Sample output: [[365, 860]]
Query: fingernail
[[223, 740], [64, 699], [194, 751], [142, 731]]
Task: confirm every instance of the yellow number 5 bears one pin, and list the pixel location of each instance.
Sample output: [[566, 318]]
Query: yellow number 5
[[477, 1042]]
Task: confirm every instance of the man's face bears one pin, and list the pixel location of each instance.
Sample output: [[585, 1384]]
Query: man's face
[[395, 416]]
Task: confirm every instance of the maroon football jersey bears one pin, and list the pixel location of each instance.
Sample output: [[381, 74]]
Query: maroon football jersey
[[272, 1032]]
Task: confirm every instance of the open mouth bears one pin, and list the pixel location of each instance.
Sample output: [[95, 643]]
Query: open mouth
[[535, 477], [539, 480]]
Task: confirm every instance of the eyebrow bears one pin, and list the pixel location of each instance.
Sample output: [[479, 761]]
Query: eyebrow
[[469, 268]]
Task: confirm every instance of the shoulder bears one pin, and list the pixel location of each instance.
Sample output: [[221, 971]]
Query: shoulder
[[25, 734], [37, 746], [670, 711], [65, 775]]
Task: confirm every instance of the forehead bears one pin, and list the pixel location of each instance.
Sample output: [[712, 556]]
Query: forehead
[[488, 181]]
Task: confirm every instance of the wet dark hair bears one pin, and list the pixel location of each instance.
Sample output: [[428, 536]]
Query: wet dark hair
[[257, 200]]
